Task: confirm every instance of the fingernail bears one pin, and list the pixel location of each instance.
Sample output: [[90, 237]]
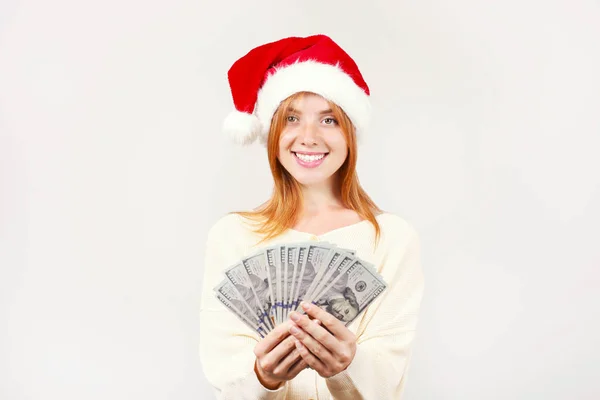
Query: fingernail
[[305, 306], [294, 316], [298, 344], [294, 330]]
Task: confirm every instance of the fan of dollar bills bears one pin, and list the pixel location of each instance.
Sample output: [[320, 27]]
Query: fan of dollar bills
[[262, 289]]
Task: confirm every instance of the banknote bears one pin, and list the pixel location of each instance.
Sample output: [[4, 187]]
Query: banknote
[[292, 267], [335, 266], [351, 291], [267, 284], [334, 258], [295, 299], [271, 259], [242, 281], [315, 260], [227, 293], [256, 268], [243, 316]]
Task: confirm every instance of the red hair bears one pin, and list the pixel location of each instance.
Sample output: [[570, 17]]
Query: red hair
[[281, 211]]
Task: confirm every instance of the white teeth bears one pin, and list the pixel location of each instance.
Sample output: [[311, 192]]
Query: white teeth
[[309, 158]]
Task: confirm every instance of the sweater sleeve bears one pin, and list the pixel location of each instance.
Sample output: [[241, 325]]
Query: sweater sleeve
[[226, 343], [379, 367]]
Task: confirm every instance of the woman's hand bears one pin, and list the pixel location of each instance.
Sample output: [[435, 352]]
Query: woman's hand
[[327, 351], [277, 360]]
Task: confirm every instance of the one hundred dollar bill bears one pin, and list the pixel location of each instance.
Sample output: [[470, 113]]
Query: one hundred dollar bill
[[256, 267], [351, 291], [238, 276], [271, 254], [227, 290], [314, 259], [292, 267], [336, 256], [255, 326]]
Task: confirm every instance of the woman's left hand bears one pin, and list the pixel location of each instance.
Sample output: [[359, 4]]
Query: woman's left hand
[[327, 351]]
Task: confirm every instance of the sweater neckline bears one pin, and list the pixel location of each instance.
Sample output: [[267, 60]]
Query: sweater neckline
[[341, 228]]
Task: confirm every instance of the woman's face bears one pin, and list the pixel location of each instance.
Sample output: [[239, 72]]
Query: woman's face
[[312, 146]]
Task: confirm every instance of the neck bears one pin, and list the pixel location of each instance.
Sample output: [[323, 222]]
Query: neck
[[320, 198]]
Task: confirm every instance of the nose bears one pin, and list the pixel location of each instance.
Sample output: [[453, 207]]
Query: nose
[[309, 135]]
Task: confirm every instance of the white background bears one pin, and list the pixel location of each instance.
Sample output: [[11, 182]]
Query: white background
[[112, 167]]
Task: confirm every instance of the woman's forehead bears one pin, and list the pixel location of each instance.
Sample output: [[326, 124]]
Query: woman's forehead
[[312, 101]]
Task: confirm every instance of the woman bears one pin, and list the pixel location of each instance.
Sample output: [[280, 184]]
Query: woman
[[307, 101]]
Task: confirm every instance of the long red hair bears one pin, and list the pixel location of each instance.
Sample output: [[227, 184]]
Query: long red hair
[[282, 210]]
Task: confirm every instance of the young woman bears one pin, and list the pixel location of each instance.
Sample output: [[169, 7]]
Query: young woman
[[306, 100]]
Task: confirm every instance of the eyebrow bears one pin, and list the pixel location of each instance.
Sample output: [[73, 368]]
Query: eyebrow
[[293, 110]]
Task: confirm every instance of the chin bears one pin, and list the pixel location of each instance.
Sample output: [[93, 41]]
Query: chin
[[310, 179]]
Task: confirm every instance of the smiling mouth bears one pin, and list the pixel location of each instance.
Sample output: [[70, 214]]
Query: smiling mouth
[[309, 157]]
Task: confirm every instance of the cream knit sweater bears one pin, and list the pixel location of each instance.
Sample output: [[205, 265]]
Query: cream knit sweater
[[385, 331]]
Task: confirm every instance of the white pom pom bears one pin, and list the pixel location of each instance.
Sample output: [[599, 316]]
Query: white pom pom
[[242, 127]]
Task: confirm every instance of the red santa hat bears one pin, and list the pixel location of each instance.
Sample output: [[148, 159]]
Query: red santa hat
[[272, 72]]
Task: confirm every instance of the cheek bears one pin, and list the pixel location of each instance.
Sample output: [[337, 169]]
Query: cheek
[[338, 143], [285, 141], [339, 150]]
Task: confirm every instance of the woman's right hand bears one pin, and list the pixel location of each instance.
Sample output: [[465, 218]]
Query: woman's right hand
[[277, 358]]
